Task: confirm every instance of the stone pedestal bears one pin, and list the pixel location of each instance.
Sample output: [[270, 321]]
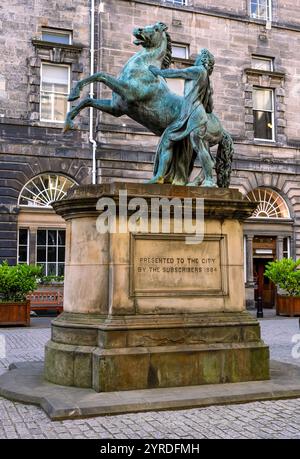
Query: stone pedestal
[[146, 309]]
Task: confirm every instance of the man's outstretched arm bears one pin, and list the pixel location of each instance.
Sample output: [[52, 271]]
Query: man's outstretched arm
[[190, 73]]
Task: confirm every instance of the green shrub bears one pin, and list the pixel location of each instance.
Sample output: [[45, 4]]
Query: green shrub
[[284, 274], [51, 279], [17, 281]]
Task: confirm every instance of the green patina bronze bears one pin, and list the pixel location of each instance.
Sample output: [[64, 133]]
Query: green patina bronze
[[187, 125]]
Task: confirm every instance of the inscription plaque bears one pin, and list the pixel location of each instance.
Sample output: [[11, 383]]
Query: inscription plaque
[[164, 265]]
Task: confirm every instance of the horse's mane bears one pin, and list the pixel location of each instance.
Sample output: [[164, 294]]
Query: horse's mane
[[168, 57]]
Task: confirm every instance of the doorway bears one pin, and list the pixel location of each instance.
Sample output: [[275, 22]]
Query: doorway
[[264, 250], [264, 288]]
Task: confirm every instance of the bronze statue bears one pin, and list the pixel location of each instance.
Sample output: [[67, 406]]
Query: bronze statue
[[187, 125]]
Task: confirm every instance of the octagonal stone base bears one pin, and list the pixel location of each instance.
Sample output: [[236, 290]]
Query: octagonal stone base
[[207, 349]]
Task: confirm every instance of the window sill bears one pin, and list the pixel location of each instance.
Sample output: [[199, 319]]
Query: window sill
[[43, 210], [50, 124], [76, 48], [181, 60], [270, 73], [264, 142], [56, 123]]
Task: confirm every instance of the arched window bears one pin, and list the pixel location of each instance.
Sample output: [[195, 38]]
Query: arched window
[[270, 204], [44, 189]]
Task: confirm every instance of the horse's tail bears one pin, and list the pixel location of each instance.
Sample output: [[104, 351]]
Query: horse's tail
[[224, 160]]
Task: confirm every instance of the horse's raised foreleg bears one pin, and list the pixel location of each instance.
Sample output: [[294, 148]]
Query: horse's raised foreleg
[[105, 105], [120, 87]]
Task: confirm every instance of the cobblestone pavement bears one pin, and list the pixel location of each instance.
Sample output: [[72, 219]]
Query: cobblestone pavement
[[269, 419], [278, 334]]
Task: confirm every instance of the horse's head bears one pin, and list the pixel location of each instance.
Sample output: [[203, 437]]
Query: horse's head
[[155, 36], [150, 36]]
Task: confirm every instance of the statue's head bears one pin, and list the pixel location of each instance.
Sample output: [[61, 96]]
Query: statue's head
[[207, 59], [150, 36]]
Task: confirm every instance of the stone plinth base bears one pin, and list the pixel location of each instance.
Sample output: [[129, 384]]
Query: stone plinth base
[[122, 354], [148, 309]]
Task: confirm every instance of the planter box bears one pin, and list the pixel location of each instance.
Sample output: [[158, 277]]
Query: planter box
[[15, 313], [288, 305]]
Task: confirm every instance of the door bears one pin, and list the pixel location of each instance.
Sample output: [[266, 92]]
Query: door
[[264, 288]]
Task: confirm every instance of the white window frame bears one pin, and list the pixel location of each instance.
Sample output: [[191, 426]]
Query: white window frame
[[41, 90], [245, 259], [258, 88], [18, 245], [46, 262], [288, 244], [185, 47], [58, 32], [264, 58], [177, 2], [268, 17]]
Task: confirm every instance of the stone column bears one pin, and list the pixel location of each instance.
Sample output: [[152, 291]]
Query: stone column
[[249, 259], [279, 247]]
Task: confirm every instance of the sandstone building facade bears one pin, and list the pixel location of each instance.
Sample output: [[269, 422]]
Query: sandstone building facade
[[46, 47]]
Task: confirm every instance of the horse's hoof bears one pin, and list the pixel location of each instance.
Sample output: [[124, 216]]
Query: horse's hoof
[[196, 182], [155, 181], [68, 126], [179, 183], [72, 98], [74, 95], [209, 184]]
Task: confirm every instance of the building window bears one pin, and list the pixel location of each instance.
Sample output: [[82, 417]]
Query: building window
[[270, 204], [57, 36], [263, 113], [261, 9], [177, 2], [262, 63], [287, 247], [44, 189], [50, 251], [55, 87], [23, 245], [180, 51]]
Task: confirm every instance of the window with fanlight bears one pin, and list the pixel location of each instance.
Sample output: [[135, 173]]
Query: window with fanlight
[[269, 204], [44, 189], [41, 239]]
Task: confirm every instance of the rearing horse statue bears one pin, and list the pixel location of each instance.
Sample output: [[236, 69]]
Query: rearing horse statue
[[147, 99]]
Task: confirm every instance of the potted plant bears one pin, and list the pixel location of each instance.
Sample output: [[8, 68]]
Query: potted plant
[[51, 280], [15, 284], [286, 275]]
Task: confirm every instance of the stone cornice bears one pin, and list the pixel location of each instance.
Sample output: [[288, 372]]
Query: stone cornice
[[219, 14], [224, 203]]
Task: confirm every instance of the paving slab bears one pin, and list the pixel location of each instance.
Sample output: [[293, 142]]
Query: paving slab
[[24, 382]]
